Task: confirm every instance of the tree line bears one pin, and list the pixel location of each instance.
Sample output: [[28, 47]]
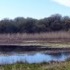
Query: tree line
[[29, 25]]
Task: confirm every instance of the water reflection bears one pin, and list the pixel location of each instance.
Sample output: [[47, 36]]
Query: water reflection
[[34, 58]]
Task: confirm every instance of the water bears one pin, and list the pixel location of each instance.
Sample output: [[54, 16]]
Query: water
[[33, 58]]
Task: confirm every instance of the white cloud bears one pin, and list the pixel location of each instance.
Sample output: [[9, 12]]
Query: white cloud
[[63, 2]]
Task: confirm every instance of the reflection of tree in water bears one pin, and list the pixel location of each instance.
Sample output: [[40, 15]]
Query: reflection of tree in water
[[56, 55], [60, 55], [31, 53], [66, 53]]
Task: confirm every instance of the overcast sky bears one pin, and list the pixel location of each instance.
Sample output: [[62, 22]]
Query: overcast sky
[[33, 8]]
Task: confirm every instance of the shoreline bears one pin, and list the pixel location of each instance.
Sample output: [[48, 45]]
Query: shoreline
[[51, 42], [33, 48]]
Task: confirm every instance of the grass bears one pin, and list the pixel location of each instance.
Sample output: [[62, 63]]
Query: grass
[[57, 45], [21, 67], [43, 66], [41, 37], [53, 39]]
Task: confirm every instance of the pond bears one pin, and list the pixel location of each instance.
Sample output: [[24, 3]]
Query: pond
[[33, 58]]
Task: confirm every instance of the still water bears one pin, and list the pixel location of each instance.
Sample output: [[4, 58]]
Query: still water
[[33, 58]]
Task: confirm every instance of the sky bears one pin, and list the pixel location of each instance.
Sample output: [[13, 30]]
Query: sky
[[33, 8]]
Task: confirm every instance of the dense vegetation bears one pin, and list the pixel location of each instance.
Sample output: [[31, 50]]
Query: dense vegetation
[[29, 25]]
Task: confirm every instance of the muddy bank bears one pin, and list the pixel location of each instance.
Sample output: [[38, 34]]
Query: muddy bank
[[16, 48]]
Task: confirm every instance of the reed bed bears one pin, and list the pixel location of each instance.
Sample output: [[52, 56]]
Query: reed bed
[[37, 37]]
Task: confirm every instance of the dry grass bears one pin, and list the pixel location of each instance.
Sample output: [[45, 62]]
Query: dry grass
[[50, 37]]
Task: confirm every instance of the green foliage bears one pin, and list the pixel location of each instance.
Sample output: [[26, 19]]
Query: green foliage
[[29, 25], [49, 66]]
